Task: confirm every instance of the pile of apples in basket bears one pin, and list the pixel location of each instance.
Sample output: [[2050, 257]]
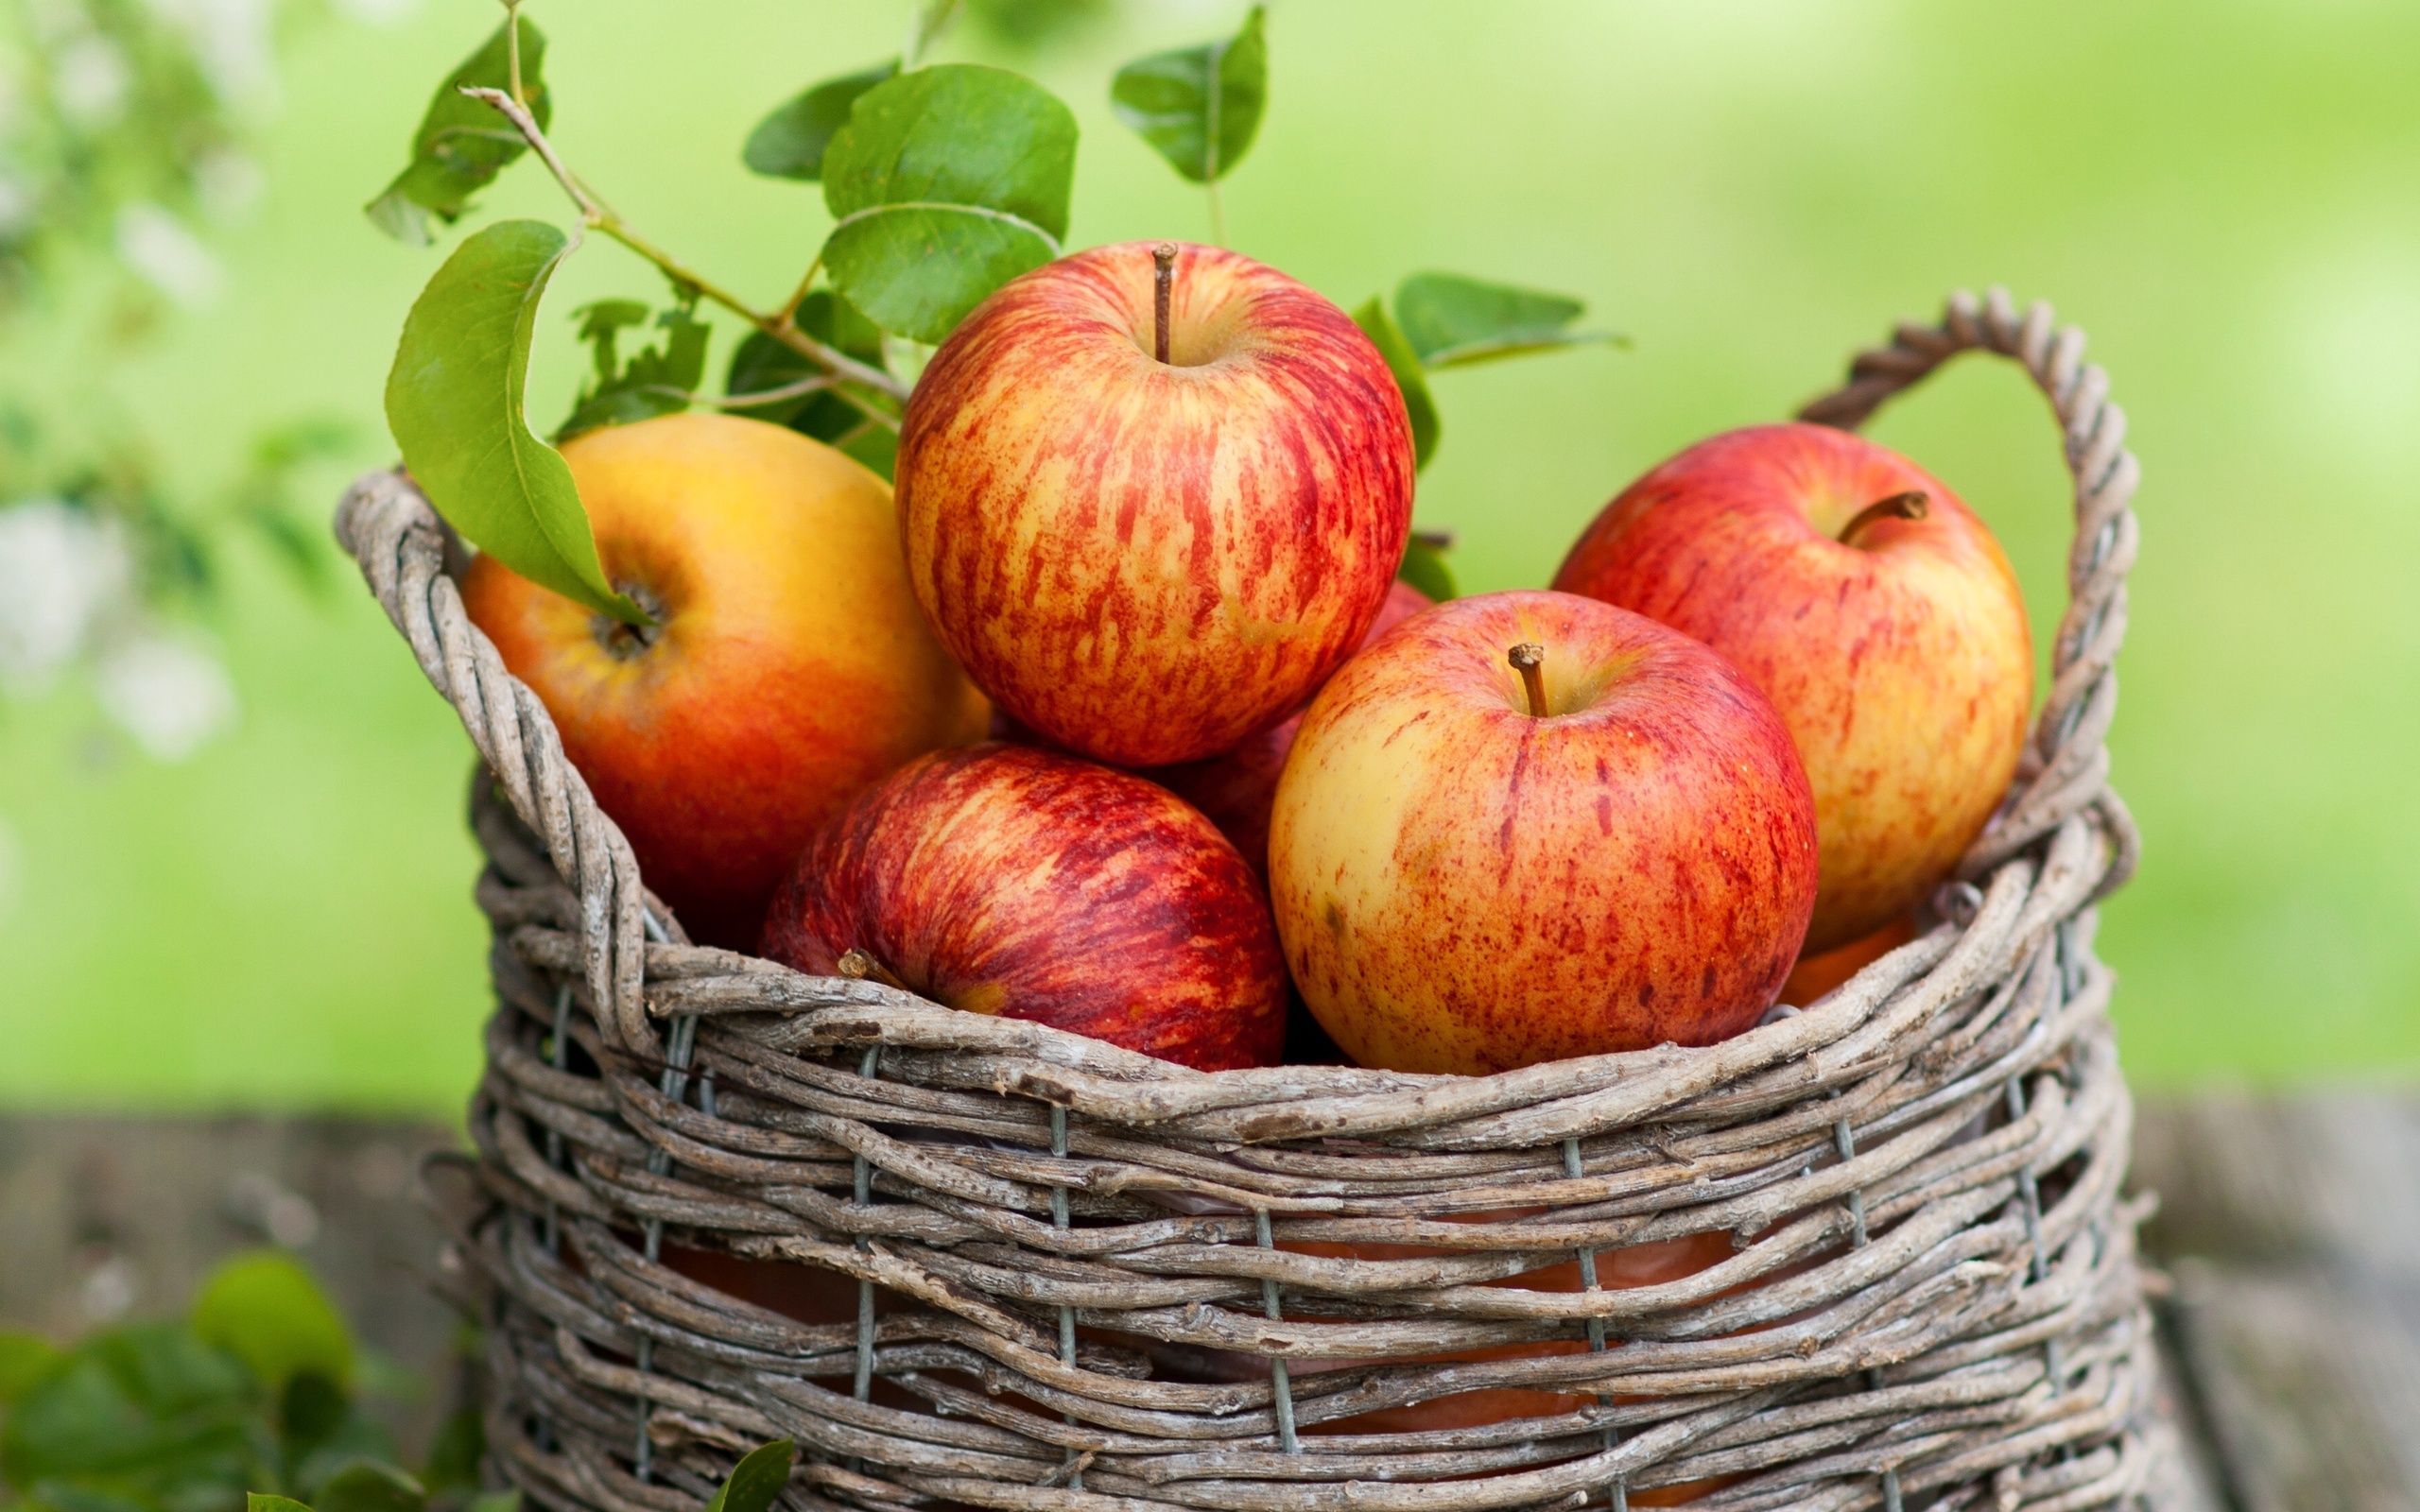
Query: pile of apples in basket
[[1116, 717]]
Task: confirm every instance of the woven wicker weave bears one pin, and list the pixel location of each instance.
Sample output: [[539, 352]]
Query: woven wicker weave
[[1932, 1296]]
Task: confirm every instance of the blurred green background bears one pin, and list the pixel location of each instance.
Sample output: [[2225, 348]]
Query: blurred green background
[[2225, 195]]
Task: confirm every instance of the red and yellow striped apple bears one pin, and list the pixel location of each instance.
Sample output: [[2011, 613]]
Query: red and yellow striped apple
[[1145, 560], [788, 666], [1236, 790], [1876, 612], [1015, 881], [1529, 826]]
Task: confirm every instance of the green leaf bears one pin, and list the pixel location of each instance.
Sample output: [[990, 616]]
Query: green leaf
[[453, 400], [1405, 364], [257, 1501], [495, 1501], [1424, 567], [876, 446], [790, 142], [25, 1359], [919, 269], [367, 1486], [601, 325], [265, 1309], [1452, 321], [146, 1417], [655, 381], [311, 1410], [462, 143], [763, 364], [455, 1453], [1199, 107], [755, 1479], [945, 183]]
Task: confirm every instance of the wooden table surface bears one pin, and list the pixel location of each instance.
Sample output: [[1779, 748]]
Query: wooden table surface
[[2289, 1229]]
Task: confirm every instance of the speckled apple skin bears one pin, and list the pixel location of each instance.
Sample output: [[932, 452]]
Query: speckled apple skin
[[1902, 665], [1237, 789], [1010, 879], [793, 670], [1145, 562], [1462, 887]]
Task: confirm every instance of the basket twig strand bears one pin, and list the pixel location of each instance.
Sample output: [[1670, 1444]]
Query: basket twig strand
[[1928, 1294]]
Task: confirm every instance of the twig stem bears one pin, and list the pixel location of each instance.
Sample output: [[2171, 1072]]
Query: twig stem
[[1163, 288], [512, 50], [596, 213], [1529, 658], [798, 295], [1911, 505]]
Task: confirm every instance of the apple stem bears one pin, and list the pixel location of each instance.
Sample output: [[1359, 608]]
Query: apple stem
[[861, 965], [1913, 505], [1163, 285], [1530, 659]]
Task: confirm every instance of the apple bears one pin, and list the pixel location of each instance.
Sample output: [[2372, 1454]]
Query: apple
[[1012, 880], [1876, 612], [788, 666], [1478, 865], [1237, 789], [1817, 973], [1145, 560]]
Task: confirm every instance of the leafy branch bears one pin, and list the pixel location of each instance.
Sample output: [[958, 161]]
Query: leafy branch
[[596, 214]]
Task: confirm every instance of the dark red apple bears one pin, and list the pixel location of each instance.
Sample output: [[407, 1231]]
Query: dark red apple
[[1014, 881]]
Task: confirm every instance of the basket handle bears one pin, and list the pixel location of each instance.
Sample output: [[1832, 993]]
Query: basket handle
[[2065, 769], [389, 527]]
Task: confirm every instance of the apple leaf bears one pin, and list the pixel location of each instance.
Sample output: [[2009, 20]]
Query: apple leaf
[[25, 1359], [1199, 107], [1405, 364], [763, 364], [462, 143], [654, 381], [366, 1486], [265, 1309], [945, 183], [790, 142], [755, 1479], [453, 400], [262, 1502], [1424, 567], [1452, 322]]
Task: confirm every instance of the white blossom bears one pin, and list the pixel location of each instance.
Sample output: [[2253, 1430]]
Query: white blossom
[[170, 695], [228, 183], [89, 79], [158, 245], [19, 204], [232, 40], [61, 574]]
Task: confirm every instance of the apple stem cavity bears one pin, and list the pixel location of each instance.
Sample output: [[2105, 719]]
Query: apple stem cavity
[[625, 642], [1163, 286], [861, 965], [1529, 660], [1913, 505]]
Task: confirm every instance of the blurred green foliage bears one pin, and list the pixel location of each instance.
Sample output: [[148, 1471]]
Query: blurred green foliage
[[2227, 196], [250, 1393]]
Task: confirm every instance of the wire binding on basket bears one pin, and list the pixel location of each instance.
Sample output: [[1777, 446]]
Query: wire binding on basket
[[1930, 1291]]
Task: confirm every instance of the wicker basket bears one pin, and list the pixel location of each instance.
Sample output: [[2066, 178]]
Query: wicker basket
[[1930, 1295]]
